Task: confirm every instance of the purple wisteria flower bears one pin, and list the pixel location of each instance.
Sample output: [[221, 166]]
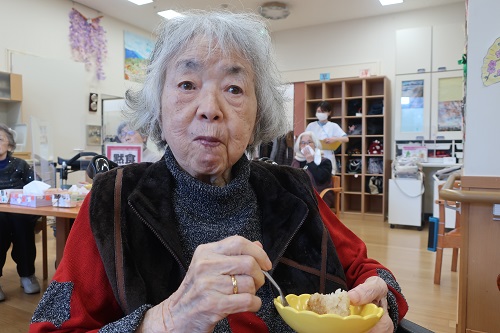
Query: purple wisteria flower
[[88, 41]]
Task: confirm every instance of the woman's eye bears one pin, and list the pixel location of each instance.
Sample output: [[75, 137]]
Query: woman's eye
[[187, 85], [235, 90]]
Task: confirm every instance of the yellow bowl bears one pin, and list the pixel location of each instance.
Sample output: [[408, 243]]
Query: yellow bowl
[[361, 319]]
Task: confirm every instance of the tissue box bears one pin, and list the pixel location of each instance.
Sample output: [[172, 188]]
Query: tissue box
[[4, 196], [30, 200], [62, 200], [67, 199]]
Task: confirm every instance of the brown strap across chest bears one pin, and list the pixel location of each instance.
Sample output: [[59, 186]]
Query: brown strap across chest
[[120, 279]]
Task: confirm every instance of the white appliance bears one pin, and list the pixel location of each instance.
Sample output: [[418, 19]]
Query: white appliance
[[405, 202]]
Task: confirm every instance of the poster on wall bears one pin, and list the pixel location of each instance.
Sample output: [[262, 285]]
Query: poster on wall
[[137, 51], [94, 135], [412, 106], [450, 104]]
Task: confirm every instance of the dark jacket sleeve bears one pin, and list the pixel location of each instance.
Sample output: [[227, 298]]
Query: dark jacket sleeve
[[321, 173]]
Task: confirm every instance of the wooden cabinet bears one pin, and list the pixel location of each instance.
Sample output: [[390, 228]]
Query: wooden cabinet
[[448, 46], [11, 96], [366, 94], [413, 50], [429, 49]]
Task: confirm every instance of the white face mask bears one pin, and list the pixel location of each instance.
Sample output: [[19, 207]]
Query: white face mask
[[321, 116]]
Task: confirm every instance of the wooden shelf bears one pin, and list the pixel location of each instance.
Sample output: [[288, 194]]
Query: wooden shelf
[[11, 96], [356, 196]]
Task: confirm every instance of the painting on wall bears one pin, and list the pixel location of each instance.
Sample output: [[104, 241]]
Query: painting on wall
[[137, 51], [94, 135]]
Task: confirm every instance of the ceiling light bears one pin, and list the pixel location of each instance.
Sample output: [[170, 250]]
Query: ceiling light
[[169, 14], [274, 10], [141, 2], [389, 2]]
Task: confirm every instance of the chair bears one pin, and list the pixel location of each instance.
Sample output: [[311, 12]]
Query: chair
[[450, 239], [41, 225], [337, 190]]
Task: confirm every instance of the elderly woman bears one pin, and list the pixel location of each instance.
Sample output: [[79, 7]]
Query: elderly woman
[[16, 229], [127, 135], [187, 238], [319, 169]]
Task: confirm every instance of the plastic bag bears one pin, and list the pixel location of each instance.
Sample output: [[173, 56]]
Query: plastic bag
[[405, 167]]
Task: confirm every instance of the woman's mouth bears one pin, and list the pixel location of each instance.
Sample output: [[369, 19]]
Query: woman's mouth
[[208, 141]]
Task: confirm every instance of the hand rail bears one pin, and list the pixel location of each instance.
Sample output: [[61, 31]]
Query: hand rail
[[466, 196]]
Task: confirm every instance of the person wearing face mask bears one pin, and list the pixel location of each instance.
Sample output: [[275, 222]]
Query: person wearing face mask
[[319, 169], [327, 131]]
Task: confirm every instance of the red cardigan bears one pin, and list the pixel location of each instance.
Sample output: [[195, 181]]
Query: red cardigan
[[93, 304]]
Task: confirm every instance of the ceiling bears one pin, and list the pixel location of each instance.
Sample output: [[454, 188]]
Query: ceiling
[[302, 12]]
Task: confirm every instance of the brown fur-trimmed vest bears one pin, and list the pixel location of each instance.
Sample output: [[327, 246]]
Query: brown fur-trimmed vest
[[299, 246]]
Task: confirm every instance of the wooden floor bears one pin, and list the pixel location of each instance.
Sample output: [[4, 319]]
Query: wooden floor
[[402, 250]]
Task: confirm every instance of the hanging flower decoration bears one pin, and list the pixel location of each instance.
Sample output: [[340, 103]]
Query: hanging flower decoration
[[88, 41]]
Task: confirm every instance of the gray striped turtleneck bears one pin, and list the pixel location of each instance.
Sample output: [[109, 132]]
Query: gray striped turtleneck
[[207, 213]]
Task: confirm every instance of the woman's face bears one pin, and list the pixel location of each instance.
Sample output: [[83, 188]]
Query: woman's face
[[4, 145], [306, 140], [319, 110], [130, 136], [209, 109]]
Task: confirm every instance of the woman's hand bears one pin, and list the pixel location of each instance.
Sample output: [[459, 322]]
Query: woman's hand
[[308, 153], [332, 139], [373, 290], [206, 295]]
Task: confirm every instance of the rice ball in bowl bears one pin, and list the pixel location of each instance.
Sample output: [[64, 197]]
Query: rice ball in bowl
[[360, 318]]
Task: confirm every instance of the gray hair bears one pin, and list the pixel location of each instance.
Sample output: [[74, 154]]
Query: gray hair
[[317, 143], [10, 136], [244, 33], [124, 124]]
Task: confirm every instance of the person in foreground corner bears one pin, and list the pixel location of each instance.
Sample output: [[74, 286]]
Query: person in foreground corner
[[183, 246]]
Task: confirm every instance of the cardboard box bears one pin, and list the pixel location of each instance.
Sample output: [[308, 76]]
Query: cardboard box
[[30, 200]]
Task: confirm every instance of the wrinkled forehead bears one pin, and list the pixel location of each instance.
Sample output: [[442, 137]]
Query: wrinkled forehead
[[202, 51]]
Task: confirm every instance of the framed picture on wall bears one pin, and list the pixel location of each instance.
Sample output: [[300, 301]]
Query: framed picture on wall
[[94, 135], [123, 154]]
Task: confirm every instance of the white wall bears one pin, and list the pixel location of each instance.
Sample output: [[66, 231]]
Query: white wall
[[343, 48], [356, 41], [41, 28], [482, 115]]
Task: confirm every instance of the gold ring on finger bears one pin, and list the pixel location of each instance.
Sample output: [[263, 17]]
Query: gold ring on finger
[[235, 284]]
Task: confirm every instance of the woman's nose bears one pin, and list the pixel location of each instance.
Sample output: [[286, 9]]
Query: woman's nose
[[209, 107]]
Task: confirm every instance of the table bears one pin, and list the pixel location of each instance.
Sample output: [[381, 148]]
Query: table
[[63, 221]]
